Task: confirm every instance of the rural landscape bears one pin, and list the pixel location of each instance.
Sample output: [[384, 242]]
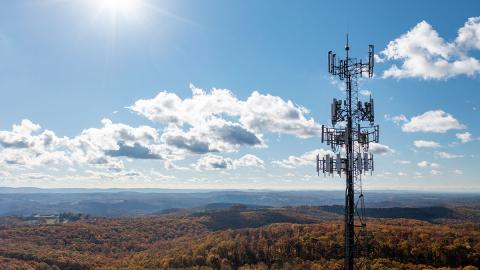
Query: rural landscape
[[235, 230], [239, 135]]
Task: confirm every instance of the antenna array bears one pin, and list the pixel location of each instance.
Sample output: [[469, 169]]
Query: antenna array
[[352, 131]]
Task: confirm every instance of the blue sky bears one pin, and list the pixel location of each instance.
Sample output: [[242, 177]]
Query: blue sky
[[119, 93]]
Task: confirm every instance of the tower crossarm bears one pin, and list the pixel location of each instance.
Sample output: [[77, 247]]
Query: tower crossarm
[[344, 68]]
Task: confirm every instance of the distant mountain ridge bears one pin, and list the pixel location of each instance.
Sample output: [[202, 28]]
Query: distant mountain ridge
[[133, 203]]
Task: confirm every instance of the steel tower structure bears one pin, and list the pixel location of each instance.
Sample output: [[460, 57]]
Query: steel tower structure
[[351, 133]]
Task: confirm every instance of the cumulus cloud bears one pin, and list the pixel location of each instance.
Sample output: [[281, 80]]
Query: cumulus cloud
[[418, 175], [365, 92], [192, 141], [422, 53], [397, 119], [403, 161], [216, 162], [217, 121], [380, 149], [27, 135], [220, 113], [215, 135], [133, 151], [436, 121], [469, 35], [458, 172], [27, 145], [99, 145], [249, 160], [170, 165], [235, 134], [204, 124], [426, 164], [307, 159], [426, 144], [267, 113], [447, 155], [167, 107], [464, 137], [127, 175]]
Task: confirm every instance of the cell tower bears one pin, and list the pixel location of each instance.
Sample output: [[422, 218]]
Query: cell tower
[[351, 133]]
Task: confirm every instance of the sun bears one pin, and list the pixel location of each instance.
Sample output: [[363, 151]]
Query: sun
[[128, 9]]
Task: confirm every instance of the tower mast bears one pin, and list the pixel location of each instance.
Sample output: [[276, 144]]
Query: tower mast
[[353, 136]]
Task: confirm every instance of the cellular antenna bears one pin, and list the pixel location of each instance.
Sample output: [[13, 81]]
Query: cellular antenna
[[352, 131]]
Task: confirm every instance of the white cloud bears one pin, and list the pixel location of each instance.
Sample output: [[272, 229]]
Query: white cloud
[[21, 136], [380, 149], [447, 155], [340, 85], [206, 123], [435, 172], [249, 160], [216, 162], [436, 121], [128, 175], [464, 137], [423, 164], [307, 159], [169, 108], [117, 140], [384, 174], [418, 175], [158, 176], [469, 34], [397, 119], [403, 161], [103, 147], [458, 172], [170, 165], [426, 144], [365, 92], [213, 122], [216, 135], [426, 164], [266, 113], [213, 162], [28, 146], [422, 53], [257, 114]]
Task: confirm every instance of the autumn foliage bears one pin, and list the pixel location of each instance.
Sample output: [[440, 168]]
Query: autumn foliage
[[190, 242]]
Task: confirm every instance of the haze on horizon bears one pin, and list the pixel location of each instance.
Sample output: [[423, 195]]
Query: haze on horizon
[[217, 95]]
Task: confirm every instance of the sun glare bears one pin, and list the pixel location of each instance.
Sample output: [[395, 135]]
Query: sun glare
[[120, 8]]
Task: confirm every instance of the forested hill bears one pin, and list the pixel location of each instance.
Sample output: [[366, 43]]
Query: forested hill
[[239, 237]]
